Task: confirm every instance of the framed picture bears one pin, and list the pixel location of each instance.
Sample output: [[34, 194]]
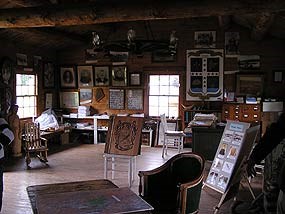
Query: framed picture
[[135, 79], [278, 76], [48, 100], [49, 76], [249, 84], [249, 62], [22, 59], [116, 98], [85, 95], [69, 99], [119, 76], [232, 44], [134, 99], [85, 76], [67, 77], [204, 80], [205, 39], [37, 63], [101, 74], [163, 56], [119, 57]]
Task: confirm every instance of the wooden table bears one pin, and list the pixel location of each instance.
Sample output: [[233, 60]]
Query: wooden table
[[95, 196]]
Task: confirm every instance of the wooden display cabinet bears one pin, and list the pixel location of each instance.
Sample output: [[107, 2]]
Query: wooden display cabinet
[[242, 112]]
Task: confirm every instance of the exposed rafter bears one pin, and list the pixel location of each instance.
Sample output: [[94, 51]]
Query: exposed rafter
[[130, 11]]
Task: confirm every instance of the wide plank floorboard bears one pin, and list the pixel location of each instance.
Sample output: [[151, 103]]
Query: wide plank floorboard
[[79, 163]]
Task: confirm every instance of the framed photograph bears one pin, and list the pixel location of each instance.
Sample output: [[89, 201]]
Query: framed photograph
[[48, 76], [119, 57], [205, 39], [69, 99], [249, 62], [48, 100], [67, 77], [163, 56], [135, 79], [91, 56], [116, 98], [249, 84], [101, 74], [85, 95], [278, 76], [232, 44], [22, 59], [37, 63], [119, 76], [134, 99], [85, 76]]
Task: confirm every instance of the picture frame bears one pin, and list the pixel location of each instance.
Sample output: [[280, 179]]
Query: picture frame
[[101, 75], [117, 99], [232, 44], [249, 84], [205, 39], [22, 59], [249, 62], [119, 76], [163, 56], [48, 75], [85, 96], [37, 64], [48, 100], [85, 76], [69, 99], [120, 57], [278, 76], [135, 79], [134, 99], [67, 77]]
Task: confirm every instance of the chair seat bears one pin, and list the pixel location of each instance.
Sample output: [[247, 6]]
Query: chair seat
[[35, 149]]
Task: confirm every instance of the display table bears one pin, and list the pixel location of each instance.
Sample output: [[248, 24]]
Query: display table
[[96, 196], [205, 141]]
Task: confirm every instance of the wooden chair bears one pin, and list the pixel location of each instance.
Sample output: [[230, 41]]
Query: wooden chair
[[34, 143], [123, 145], [174, 187], [174, 138]]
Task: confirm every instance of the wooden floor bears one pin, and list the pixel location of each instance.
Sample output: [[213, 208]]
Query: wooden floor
[[78, 163]]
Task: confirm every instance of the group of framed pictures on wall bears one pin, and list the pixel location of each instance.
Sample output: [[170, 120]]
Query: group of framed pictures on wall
[[89, 76]]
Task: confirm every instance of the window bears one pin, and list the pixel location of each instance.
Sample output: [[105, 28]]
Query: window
[[26, 95], [164, 95]]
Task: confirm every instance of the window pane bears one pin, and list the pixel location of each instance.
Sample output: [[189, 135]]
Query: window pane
[[164, 90], [26, 89], [154, 80], [154, 90], [166, 87]]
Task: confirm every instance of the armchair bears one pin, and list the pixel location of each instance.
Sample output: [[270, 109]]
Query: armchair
[[174, 187]]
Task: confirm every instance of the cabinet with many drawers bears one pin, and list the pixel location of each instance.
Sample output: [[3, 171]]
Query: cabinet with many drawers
[[250, 113]]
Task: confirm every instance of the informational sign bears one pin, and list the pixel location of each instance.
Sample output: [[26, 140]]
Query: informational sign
[[117, 99], [227, 156]]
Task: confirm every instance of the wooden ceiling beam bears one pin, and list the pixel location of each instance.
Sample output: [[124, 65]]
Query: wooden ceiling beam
[[57, 15], [29, 3]]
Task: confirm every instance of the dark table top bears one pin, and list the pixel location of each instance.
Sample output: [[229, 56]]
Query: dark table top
[[94, 196]]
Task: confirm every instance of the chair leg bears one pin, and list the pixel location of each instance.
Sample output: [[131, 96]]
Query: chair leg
[[163, 147], [28, 160]]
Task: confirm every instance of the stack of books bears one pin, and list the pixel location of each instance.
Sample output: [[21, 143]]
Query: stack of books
[[83, 111]]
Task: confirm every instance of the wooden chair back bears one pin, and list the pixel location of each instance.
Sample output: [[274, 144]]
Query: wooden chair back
[[34, 143]]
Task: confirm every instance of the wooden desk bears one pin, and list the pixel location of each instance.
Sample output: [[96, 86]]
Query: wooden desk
[[96, 196]]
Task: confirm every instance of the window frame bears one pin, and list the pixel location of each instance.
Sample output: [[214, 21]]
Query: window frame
[[148, 90], [35, 95]]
